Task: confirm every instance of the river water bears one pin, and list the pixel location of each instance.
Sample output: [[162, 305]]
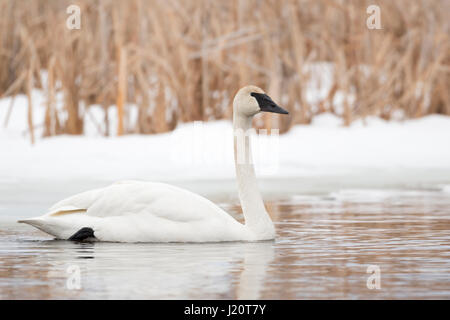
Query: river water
[[339, 243]]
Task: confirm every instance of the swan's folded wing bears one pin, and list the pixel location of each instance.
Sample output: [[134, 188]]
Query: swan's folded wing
[[81, 201], [140, 198]]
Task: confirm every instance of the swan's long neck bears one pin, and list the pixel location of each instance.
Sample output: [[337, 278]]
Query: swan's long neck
[[256, 216]]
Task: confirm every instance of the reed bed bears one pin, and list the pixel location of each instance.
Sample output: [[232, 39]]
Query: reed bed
[[182, 60]]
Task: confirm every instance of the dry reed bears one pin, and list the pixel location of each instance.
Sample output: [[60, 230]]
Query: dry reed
[[183, 60]]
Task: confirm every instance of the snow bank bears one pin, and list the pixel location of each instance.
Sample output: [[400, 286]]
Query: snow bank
[[419, 143], [204, 150]]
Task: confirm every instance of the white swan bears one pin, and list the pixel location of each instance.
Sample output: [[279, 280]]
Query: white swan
[[134, 211]]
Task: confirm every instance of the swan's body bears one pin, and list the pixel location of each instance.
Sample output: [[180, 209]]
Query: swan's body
[[134, 211]]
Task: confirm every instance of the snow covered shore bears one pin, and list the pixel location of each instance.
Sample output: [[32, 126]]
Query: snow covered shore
[[202, 151]]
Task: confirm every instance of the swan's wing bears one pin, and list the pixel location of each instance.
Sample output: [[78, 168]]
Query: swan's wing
[[81, 201], [134, 197]]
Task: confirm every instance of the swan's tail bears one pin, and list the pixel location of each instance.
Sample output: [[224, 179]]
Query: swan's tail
[[35, 222], [46, 224], [61, 226]]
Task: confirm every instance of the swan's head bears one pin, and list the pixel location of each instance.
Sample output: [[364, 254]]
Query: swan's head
[[251, 100]]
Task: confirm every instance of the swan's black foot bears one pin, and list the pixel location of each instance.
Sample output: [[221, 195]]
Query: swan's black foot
[[84, 234]]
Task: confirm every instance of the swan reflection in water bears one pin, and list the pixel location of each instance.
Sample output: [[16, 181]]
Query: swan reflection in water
[[235, 270]]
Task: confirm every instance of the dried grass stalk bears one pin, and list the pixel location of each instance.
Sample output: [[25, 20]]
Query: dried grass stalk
[[182, 60]]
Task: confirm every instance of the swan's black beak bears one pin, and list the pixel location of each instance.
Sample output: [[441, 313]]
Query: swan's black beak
[[266, 104]]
